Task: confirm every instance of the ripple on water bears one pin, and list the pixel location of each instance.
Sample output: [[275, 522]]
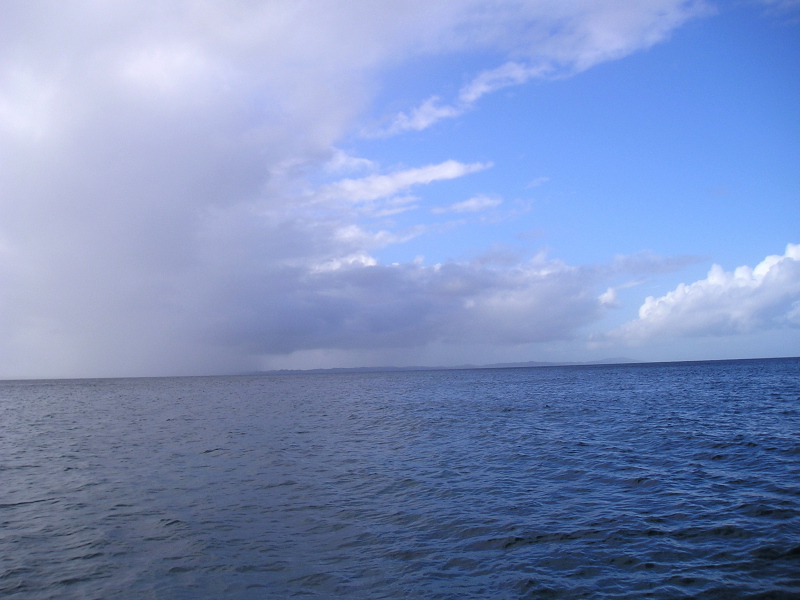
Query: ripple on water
[[659, 481]]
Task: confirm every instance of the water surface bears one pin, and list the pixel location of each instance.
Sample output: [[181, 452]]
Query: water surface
[[663, 481]]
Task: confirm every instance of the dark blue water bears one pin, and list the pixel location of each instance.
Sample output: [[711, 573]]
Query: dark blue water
[[660, 481]]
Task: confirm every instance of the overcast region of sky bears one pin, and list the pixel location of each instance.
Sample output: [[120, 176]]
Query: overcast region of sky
[[199, 187]]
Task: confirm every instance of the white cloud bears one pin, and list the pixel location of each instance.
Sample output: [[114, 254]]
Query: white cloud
[[724, 303], [375, 187], [422, 117], [474, 204], [352, 260], [432, 110], [538, 181], [609, 298], [589, 33], [511, 73], [343, 162]]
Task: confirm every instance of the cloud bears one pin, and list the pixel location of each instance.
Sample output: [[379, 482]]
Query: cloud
[[609, 298], [167, 193], [724, 303], [647, 263], [432, 110], [422, 117], [343, 162], [474, 204], [375, 187], [589, 33], [538, 181], [357, 305]]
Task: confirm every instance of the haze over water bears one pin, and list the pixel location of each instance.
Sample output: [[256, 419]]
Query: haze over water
[[627, 481]]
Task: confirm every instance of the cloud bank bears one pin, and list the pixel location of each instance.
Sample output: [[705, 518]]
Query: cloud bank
[[171, 193], [724, 303]]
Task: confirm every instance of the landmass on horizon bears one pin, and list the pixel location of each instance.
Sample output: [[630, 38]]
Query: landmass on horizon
[[511, 365]]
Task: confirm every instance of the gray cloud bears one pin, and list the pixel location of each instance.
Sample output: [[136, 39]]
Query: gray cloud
[[156, 210], [407, 305]]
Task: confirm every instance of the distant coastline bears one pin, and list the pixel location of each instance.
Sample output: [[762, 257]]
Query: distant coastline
[[506, 365]]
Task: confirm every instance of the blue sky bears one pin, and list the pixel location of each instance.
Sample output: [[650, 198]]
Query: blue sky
[[644, 152], [198, 188]]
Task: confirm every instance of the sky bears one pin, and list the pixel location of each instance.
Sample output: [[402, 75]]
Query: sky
[[204, 187]]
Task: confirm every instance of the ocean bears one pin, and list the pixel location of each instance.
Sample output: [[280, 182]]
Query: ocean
[[672, 480]]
